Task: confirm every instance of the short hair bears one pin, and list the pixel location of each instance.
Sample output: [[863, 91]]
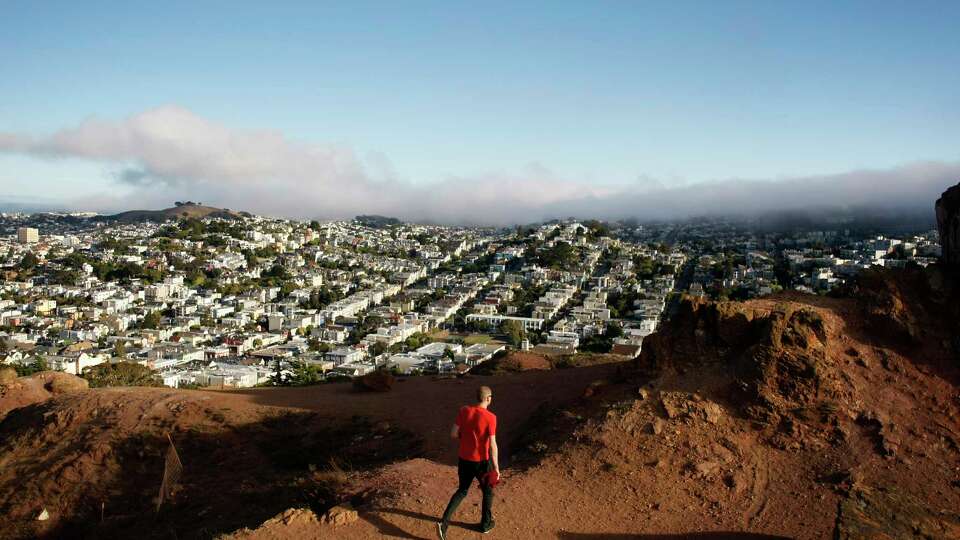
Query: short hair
[[483, 393]]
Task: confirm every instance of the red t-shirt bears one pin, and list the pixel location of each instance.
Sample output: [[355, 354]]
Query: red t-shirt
[[476, 425]]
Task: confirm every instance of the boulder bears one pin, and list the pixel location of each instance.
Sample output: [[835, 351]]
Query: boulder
[[948, 225]]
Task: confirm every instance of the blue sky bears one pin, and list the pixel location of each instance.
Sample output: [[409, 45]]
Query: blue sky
[[604, 95]]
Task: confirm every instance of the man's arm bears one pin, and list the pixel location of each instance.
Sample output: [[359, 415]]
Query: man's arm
[[494, 453], [455, 430]]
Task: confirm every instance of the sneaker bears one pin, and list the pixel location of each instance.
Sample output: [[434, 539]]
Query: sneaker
[[442, 530], [488, 528]]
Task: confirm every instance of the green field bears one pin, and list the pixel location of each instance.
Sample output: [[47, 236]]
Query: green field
[[477, 338]]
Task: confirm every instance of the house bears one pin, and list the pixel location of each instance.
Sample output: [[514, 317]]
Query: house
[[479, 352], [353, 369], [407, 363], [345, 355], [528, 323]]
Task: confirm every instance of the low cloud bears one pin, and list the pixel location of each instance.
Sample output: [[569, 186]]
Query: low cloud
[[170, 153]]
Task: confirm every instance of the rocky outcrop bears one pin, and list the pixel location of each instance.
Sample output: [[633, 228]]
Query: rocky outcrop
[[776, 357], [887, 513], [948, 224]]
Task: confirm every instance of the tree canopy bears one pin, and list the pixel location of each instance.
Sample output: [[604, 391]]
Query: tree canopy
[[121, 374]]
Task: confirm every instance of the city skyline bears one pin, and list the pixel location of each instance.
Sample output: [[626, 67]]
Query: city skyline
[[453, 114]]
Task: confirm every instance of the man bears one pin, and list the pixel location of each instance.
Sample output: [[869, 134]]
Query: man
[[476, 428]]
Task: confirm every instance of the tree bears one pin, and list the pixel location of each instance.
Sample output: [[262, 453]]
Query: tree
[[448, 353], [28, 262], [121, 374], [513, 331], [151, 320], [38, 365], [305, 374], [119, 349], [378, 348], [613, 330], [278, 373]]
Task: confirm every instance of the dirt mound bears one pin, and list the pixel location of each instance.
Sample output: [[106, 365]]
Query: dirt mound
[[7, 375], [38, 387], [512, 362], [377, 381], [63, 383], [100, 453]]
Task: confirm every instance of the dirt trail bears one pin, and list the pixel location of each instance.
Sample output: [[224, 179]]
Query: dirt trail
[[428, 407]]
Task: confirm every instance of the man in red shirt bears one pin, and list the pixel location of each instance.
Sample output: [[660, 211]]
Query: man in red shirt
[[476, 428]]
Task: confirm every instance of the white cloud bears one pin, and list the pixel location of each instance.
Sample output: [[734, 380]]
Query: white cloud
[[170, 153]]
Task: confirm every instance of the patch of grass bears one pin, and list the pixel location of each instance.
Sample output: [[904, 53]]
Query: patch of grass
[[477, 338]]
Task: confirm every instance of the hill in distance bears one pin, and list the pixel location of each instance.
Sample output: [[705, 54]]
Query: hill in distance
[[377, 221], [180, 210]]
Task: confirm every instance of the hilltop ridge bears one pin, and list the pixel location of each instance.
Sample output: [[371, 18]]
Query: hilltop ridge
[[186, 209]]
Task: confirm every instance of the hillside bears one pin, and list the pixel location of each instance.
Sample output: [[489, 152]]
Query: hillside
[[792, 416], [181, 211]]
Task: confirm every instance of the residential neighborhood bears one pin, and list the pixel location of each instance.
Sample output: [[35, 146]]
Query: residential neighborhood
[[248, 301]]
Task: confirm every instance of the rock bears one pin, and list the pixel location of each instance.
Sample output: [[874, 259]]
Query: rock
[[293, 516], [655, 427], [64, 383], [673, 404], [43, 515], [706, 468], [340, 515], [7, 375], [682, 405], [948, 225], [711, 411], [643, 393]]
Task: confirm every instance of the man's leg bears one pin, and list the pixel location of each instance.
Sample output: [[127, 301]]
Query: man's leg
[[486, 520], [486, 516], [465, 475]]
